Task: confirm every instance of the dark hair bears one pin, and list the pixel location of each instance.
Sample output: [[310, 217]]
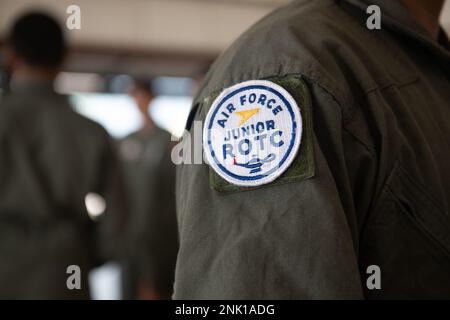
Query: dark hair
[[144, 85], [38, 39]]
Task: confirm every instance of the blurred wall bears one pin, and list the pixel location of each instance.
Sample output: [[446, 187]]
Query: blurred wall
[[445, 17], [171, 37], [184, 25]]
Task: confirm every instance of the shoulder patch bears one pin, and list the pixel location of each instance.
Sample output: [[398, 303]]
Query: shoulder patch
[[254, 134]]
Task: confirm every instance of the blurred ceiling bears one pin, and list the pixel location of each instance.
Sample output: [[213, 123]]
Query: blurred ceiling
[[151, 37], [172, 37]]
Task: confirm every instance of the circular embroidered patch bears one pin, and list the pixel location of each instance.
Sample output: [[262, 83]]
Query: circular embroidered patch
[[252, 133]]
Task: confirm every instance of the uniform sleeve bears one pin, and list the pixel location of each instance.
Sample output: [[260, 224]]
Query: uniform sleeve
[[295, 240]]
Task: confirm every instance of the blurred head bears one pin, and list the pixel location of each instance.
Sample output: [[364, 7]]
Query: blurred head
[[35, 44], [142, 94]]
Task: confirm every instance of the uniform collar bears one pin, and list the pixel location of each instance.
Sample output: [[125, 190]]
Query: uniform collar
[[396, 17], [443, 39]]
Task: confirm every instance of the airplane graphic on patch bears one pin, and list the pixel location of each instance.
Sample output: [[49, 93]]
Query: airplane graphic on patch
[[246, 114]]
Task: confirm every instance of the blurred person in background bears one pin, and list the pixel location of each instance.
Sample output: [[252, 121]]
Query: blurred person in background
[[50, 159], [152, 239]]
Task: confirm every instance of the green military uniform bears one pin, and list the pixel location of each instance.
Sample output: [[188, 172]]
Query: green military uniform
[[50, 159], [371, 181], [152, 238]]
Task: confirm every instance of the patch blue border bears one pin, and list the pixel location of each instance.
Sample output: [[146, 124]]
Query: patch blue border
[[294, 130]]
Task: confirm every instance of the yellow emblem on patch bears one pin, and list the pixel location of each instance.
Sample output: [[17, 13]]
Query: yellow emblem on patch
[[246, 114]]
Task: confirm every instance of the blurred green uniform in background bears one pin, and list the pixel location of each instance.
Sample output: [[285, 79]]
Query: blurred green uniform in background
[[55, 165], [151, 235]]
